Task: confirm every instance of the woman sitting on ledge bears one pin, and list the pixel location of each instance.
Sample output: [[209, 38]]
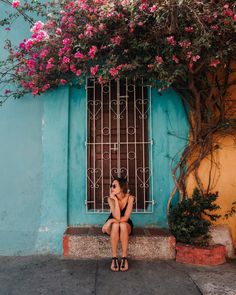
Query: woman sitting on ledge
[[119, 225]]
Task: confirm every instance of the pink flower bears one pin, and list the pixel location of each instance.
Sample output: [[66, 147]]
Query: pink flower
[[113, 72], [92, 51], [116, 40], [89, 30], [159, 59], [37, 27], [35, 91], [171, 40], [45, 87], [195, 58], [153, 8], [78, 72], [101, 27], [185, 44], [189, 29], [7, 91], [41, 36], [66, 41], [79, 55], [7, 29], [63, 81], [214, 28], [49, 66], [65, 60], [58, 31], [93, 70], [175, 59], [31, 64], [29, 43], [143, 7], [43, 53], [73, 68], [15, 3], [214, 62]]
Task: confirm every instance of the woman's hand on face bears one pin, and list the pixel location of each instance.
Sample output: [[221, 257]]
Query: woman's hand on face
[[113, 196]]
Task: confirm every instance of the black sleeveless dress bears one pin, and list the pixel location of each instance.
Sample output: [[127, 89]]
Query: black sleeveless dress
[[122, 213]]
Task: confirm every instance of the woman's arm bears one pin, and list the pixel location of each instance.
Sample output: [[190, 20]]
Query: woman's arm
[[128, 210], [114, 205]]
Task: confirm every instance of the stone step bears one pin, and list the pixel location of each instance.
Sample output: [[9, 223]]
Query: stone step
[[145, 243]]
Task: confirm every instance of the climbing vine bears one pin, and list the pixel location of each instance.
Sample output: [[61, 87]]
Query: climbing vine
[[187, 45]]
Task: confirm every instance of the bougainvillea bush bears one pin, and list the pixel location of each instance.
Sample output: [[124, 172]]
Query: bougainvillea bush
[[189, 45], [163, 41]]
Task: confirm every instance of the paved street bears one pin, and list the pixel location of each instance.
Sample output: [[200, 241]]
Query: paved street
[[49, 274]]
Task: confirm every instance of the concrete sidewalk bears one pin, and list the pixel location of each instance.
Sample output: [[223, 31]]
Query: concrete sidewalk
[[52, 275]]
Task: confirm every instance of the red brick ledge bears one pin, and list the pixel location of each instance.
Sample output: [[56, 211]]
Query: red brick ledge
[[211, 255]]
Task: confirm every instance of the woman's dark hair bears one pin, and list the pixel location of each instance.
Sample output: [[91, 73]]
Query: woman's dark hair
[[123, 183]]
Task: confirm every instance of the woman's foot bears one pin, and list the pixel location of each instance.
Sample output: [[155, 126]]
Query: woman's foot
[[124, 266], [114, 264]]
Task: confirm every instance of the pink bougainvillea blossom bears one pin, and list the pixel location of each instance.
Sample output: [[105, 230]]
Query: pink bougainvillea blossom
[[15, 3], [40, 36], [79, 55], [175, 59], [28, 44], [116, 40], [189, 29], [66, 41], [78, 72], [113, 72], [45, 87], [35, 91], [185, 44], [171, 40], [94, 70], [37, 27], [65, 60], [195, 58], [159, 59], [58, 31], [43, 53], [153, 8], [63, 81], [143, 6], [214, 62], [92, 51]]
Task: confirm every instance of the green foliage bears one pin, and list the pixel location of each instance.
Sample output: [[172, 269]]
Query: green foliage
[[186, 219], [231, 212]]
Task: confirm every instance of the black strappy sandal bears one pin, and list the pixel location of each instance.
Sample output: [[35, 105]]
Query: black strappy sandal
[[116, 265], [122, 266]]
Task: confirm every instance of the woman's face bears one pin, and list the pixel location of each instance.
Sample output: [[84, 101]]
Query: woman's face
[[115, 187]]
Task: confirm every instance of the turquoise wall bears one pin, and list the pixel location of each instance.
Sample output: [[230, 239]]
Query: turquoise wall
[[43, 163]]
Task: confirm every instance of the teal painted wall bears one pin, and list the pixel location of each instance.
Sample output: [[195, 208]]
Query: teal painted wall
[[43, 163], [170, 131], [33, 163]]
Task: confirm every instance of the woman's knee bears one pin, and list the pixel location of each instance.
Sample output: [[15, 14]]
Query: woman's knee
[[123, 226], [115, 227]]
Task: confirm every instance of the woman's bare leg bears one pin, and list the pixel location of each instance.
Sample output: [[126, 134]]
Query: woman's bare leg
[[114, 238], [125, 230]]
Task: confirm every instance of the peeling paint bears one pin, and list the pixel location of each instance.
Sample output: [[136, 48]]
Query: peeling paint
[[43, 229]]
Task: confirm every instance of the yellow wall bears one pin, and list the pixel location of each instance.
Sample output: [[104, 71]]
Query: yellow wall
[[224, 170], [224, 180]]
